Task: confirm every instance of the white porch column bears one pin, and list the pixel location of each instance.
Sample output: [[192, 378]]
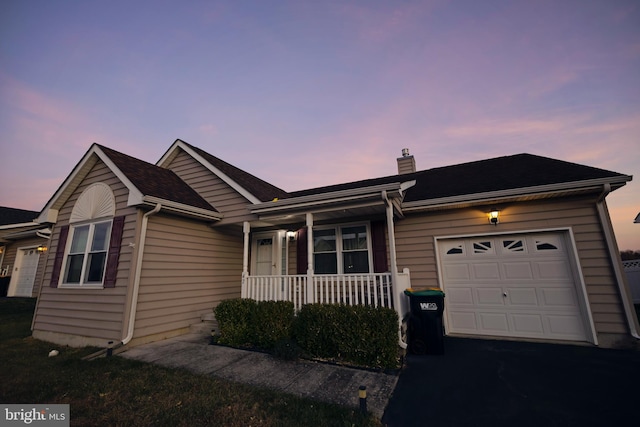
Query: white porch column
[[311, 298], [246, 229], [394, 265], [392, 241]]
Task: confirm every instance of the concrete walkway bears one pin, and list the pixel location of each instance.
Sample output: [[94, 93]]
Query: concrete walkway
[[318, 381]]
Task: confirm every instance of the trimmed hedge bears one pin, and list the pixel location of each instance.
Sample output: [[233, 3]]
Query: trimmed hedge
[[357, 334], [249, 323], [361, 335]]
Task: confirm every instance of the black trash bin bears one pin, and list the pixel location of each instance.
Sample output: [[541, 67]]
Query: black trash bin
[[425, 331], [4, 285]]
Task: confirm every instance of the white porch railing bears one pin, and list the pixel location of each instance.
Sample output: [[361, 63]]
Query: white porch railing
[[357, 289]]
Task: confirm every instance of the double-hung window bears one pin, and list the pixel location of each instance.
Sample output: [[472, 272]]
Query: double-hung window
[[341, 250], [86, 259]]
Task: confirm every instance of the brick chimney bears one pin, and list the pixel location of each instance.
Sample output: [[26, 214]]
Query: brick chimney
[[406, 163]]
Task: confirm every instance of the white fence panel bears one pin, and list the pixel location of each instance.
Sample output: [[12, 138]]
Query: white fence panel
[[362, 289]]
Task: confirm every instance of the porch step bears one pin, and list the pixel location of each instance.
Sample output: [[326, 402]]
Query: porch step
[[207, 324]]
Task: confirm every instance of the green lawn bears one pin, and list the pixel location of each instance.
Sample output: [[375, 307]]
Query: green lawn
[[116, 391]]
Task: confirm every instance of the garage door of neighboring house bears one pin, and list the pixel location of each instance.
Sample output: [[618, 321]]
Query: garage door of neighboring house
[[518, 285], [24, 273]]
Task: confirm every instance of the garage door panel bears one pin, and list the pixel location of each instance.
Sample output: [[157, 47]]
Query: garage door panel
[[486, 271], [497, 323], [457, 272], [526, 324], [463, 321], [460, 296], [552, 270], [489, 296], [517, 270], [562, 326], [517, 285], [559, 297], [523, 296]]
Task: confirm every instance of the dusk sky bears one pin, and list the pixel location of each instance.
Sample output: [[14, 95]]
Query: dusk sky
[[311, 93]]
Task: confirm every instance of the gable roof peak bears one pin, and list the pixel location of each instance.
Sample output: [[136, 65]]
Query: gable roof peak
[[249, 186], [147, 184]]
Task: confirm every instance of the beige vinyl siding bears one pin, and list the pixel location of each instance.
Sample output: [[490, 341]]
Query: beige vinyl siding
[[415, 246], [93, 313], [187, 269], [213, 189]]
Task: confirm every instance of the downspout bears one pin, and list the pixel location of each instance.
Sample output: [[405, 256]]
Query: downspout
[[612, 246], [136, 281], [394, 265], [246, 229]]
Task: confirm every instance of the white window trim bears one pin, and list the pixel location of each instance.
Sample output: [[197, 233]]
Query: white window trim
[[339, 250], [67, 249]]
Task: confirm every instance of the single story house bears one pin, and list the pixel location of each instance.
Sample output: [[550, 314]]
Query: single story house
[[522, 246], [22, 243]]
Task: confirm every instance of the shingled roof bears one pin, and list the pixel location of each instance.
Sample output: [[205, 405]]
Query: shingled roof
[[483, 176], [9, 216], [155, 181], [262, 190]]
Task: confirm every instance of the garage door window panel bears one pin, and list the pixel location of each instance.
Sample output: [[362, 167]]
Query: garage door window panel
[[483, 247]]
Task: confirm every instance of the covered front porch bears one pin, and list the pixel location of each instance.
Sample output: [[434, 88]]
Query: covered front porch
[[334, 248]]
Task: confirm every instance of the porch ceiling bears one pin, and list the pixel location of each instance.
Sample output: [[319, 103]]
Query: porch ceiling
[[328, 214]]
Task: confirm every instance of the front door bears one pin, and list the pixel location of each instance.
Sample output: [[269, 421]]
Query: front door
[[268, 258], [264, 261]]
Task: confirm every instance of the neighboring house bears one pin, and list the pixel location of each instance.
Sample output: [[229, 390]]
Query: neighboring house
[[139, 252], [22, 242]]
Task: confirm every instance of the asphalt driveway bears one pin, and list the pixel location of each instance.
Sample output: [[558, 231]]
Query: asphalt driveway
[[504, 383]]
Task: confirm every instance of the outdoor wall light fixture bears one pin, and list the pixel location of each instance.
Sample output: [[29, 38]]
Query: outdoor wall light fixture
[[493, 216], [41, 248], [291, 235]]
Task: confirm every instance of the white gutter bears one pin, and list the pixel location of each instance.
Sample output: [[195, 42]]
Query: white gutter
[[181, 208], [136, 281], [612, 246], [394, 265], [22, 224], [311, 200]]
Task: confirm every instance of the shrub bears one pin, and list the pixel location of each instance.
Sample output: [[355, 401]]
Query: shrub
[[234, 321], [273, 322], [357, 334], [249, 323], [360, 335]]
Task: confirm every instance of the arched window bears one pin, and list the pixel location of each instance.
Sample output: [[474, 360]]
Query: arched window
[[90, 242]]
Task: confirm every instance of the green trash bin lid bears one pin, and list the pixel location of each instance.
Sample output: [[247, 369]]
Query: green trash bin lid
[[429, 292]]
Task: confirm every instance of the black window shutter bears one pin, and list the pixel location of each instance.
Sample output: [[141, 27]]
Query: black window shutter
[[57, 263], [379, 246], [114, 252], [301, 251]]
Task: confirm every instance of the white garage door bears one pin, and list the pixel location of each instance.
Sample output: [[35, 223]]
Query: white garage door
[[511, 285], [24, 274]]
